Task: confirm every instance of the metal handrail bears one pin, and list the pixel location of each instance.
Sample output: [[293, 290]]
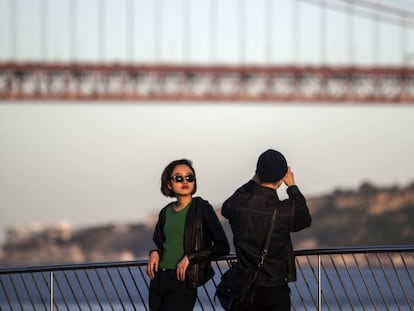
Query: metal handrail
[[363, 278], [305, 252]]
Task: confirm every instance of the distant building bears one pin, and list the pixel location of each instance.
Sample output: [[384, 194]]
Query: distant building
[[24, 233]]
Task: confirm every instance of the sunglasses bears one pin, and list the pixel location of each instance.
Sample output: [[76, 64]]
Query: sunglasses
[[180, 178]]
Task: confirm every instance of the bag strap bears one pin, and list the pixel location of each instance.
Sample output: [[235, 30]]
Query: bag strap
[[268, 238]]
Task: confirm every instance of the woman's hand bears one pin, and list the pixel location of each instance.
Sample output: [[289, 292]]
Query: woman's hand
[[152, 265], [182, 268]]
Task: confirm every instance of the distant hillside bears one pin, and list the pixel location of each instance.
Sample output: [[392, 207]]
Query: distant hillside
[[362, 217], [367, 216], [101, 243]]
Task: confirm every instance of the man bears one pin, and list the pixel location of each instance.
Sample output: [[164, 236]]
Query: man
[[249, 211]]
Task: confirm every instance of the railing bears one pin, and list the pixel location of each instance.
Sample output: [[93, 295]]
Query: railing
[[365, 278]]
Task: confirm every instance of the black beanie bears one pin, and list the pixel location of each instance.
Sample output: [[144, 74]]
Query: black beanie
[[271, 166]]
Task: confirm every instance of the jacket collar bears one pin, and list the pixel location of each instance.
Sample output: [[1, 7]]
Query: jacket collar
[[265, 191]]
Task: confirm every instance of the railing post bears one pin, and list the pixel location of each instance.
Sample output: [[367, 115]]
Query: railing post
[[51, 291], [319, 284]]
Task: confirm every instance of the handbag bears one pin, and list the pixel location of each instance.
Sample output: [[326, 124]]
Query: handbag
[[236, 287]]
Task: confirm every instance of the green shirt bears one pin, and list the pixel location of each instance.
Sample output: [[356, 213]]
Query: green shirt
[[174, 237]]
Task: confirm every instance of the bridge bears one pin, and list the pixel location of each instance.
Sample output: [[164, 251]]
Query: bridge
[[327, 51]]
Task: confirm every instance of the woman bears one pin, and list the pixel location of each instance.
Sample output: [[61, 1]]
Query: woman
[[188, 235]]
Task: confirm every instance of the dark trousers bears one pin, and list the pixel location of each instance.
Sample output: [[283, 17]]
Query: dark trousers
[[271, 299], [167, 293]]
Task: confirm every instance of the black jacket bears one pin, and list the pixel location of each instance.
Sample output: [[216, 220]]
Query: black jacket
[[204, 240], [249, 211]]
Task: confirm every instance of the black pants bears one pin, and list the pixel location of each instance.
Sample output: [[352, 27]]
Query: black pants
[[271, 299], [168, 293]]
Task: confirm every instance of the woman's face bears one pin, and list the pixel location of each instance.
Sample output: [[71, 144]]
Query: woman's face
[[182, 180]]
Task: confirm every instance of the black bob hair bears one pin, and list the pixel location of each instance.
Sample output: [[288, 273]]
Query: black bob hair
[[166, 177]]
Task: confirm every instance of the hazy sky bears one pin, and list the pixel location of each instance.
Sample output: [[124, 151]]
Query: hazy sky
[[100, 163], [263, 31], [94, 163]]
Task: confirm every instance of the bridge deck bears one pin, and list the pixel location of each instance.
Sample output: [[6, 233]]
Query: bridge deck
[[209, 83]]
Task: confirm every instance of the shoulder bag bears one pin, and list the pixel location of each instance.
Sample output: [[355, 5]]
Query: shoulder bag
[[236, 285]]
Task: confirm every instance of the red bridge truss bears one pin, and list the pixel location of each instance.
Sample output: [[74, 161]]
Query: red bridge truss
[[94, 82]]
